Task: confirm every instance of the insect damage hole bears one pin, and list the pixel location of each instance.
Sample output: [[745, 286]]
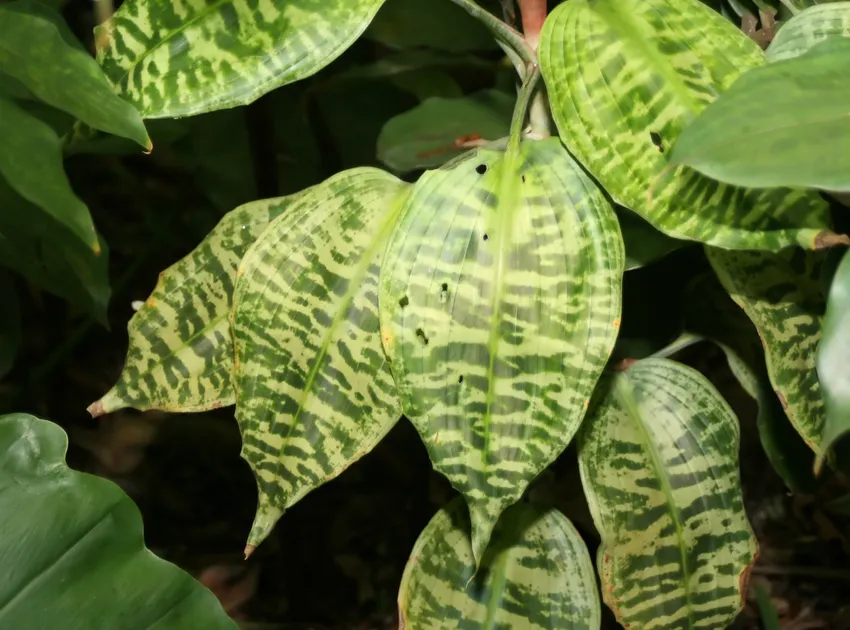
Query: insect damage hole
[[404, 301], [486, 237], [481, 169], [444, 292], [656, 140], [460, 379], [420, 334]]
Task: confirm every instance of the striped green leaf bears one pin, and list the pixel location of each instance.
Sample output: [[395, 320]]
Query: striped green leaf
[[314, 391], [833, 358], [180, 356], [659, 464], [183, 58], [625, 77], [809, 27], [783, 297], [536, 575], [500, 303]]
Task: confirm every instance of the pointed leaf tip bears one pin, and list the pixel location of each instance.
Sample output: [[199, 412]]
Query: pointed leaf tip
[[249, 549], [827, 239], [96, 409]]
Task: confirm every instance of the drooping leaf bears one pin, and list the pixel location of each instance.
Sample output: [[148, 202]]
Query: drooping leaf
[[314, 391], [500, 303], [10, 324], [833, 357], [644, 244], [440, 129], [180, 355], [179, 59], [624, 78], [786, 123], [72, 549], [808, 28], [782, 295], [31, 161], [536, 575], [658, 458], [38, 53]]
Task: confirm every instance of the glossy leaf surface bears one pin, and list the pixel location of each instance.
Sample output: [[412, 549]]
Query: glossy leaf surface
[[625, 78], [191, 56], [659, 464], [314, 391], [537, 575], [500, 304], [72, 549], [808, 28]]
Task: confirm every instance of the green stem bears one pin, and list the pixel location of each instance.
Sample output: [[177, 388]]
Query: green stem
[[505, 35], [521, 108]]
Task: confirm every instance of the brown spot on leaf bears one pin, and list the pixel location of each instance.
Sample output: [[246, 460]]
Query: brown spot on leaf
[[624, 365], [827, 239], [96, 409], [782, 399]]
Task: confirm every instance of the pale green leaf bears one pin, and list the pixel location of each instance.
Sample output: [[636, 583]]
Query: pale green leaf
[[536, 575], [787, 123], [500, 304], [658, 458], [624, 78], [441, 128], [314, 391], [180, 355], [37, 52], [833, 359], [809, 27], [782, 295], [72, 549], [192, 56]]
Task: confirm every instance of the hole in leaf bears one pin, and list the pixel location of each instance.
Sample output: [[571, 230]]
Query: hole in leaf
[[421, 334], [444, 292], [481, 169], [404, 301], [486, 237], [460, 379], [656, 140], [523, 179]]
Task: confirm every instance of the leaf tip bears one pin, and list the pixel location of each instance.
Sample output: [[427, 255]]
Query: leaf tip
[[148, 147], [249, 549], [96, 409], [827, 239]]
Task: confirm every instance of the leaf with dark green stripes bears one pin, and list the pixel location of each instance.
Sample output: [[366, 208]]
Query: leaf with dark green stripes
[[500, 303], [624, 78], [833, 360], [36, 51], [180, 356], [658, 458], [179, 59], [811, 26], [314, 391], [782, 295], [536, 575]]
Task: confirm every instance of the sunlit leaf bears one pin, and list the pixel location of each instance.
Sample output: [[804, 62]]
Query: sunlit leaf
[[314, 391], [536, 575], [500, 303], [659, 464], [625, 78], [809, 27]]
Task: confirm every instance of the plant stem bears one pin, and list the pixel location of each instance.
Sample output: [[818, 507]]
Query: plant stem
[[521, 108], [505, 35], [533, 15]]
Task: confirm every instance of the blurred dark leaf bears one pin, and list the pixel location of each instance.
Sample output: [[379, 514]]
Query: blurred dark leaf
[[10, 323], [644, 244]]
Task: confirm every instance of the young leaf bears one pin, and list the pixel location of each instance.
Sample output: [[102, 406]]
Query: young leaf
[[536, 575], [659, 464], [72, 549], [314, 391], [36, 52], [833, 357], [810, 27], [624, 78], [179, 59], [500, 303], [180, 356], [781, 294]]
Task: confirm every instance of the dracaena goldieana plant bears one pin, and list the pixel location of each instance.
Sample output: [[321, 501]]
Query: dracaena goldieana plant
[[482, 302]]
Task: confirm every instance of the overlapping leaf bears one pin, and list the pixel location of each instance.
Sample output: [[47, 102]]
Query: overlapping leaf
[[180, 356], [644, 244], [537, 575], [624, 78], [782, 295], [72, 549], [659, 464], [812, 26], [38, 51], [500, 303], [191, 56], [314, 391]]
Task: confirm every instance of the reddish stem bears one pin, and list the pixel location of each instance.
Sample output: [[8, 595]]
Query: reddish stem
[[533, 15]]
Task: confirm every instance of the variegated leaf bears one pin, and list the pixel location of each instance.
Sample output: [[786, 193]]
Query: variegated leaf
[[809, 27], [500, 303], [625, 77], [314, 391], [783, 296], [659, 464], [180, 356], [536, 575], [184, 57]]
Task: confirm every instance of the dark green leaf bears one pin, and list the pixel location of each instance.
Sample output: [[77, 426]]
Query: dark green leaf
[[10, 323]]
